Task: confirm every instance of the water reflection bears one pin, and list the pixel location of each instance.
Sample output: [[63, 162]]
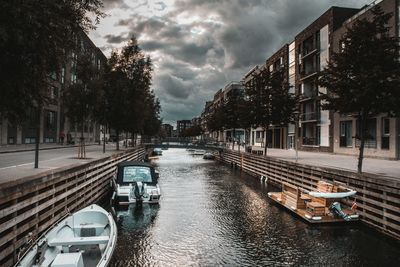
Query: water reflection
[[209, 215]]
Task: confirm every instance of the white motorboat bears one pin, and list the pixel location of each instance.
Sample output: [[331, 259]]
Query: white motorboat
[[198, 152], [157, 151], [209, 155], [135, 182], [85, 238]]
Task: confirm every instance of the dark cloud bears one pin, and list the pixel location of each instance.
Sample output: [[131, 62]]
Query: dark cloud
[[116, 39], [198, 46]]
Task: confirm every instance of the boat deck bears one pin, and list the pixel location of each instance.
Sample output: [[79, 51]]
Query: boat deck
[[326, 217]]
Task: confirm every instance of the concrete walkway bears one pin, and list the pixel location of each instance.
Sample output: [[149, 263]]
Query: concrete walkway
[[60, 157], [31, 147], [380, 167]]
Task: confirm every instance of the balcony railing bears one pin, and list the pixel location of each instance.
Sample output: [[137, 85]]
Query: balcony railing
[[310, 116]]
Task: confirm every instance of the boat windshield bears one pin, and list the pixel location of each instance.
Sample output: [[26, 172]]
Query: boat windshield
[[136, 174]]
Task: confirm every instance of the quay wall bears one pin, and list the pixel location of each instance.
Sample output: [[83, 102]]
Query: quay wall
[[378, 198], [29, 206]]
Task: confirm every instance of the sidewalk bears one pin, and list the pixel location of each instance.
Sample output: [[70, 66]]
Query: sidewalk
[[61, 159], [31, 147], [380, 167]]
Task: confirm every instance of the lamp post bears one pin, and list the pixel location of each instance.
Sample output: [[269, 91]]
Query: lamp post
[[296, 134]]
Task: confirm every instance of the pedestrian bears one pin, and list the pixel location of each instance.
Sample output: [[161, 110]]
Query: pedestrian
[[62, 135]]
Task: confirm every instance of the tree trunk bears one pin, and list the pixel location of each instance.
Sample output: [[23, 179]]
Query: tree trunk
[[233, 139], [81, 147], [126, 139], [362, 139], [265, 141], [37, 139], [117, 138]]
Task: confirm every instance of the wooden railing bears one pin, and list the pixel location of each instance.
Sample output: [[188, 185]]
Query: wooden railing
[[30, 205], [378, 198]]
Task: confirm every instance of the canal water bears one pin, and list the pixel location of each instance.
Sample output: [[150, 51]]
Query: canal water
[[210, 215]]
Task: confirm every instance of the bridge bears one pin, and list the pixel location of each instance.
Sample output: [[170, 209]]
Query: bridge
[[183, 142]]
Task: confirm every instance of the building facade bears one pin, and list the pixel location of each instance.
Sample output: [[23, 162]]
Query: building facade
[[53, 122], [384, 130], [167, 129], [182, 125], [312, 51]]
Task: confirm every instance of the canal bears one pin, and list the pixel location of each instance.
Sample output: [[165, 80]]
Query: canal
[[210, 215]]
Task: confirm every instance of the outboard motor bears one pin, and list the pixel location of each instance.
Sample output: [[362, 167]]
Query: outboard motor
[[139, 191], [336, 209]]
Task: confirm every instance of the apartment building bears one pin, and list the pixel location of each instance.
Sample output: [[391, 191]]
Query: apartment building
[[52, 118], [384, 131], [182, 125], [312, 50], [233, 89], [167, 129]]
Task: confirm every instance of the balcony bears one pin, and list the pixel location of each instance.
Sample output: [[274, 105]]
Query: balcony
[[309, 52], [309, 117]]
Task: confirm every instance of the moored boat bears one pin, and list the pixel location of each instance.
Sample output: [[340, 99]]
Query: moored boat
[[320, 206], [135, 182], [85, 238], [198, 152], [157, 151], [208, 155]]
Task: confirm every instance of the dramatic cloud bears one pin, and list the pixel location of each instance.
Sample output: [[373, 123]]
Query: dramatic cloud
[[199, 46]]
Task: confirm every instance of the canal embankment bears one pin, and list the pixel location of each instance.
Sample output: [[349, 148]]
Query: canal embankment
[[378, 197], [29, 205]]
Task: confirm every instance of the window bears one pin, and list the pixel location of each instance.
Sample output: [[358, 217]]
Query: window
[[370, 132], [51, 120], [136, 174], [62, 75], [385, 133], [346, 134], [53, 92]]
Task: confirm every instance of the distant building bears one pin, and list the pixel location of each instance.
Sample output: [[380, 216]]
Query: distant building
[[182, 125], [167, 128]]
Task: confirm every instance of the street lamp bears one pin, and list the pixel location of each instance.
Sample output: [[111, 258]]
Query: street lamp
[[296, 133]]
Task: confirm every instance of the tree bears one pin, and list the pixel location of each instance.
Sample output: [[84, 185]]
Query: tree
[[80, 97], [129, 103], [215, 121], [231, 112], [270, 101], [363, 79], [34, 46]]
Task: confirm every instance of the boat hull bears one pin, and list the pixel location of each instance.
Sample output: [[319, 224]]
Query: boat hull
[[86, 238]]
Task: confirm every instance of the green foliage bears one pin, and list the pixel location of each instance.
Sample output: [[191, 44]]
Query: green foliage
[[128, 102], [364, 78], [35, 37], [193, 131], [269, 101], [80, 97]]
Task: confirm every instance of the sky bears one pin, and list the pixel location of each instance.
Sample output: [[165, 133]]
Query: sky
[[199, 46]]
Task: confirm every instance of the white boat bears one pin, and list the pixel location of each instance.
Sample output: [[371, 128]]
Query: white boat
[[199, 152], [135, 182], [208, 155], [332, 195], [85, 238]]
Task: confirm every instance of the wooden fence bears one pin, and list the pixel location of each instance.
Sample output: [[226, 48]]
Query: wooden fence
[[378, 198], [31, 205]]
